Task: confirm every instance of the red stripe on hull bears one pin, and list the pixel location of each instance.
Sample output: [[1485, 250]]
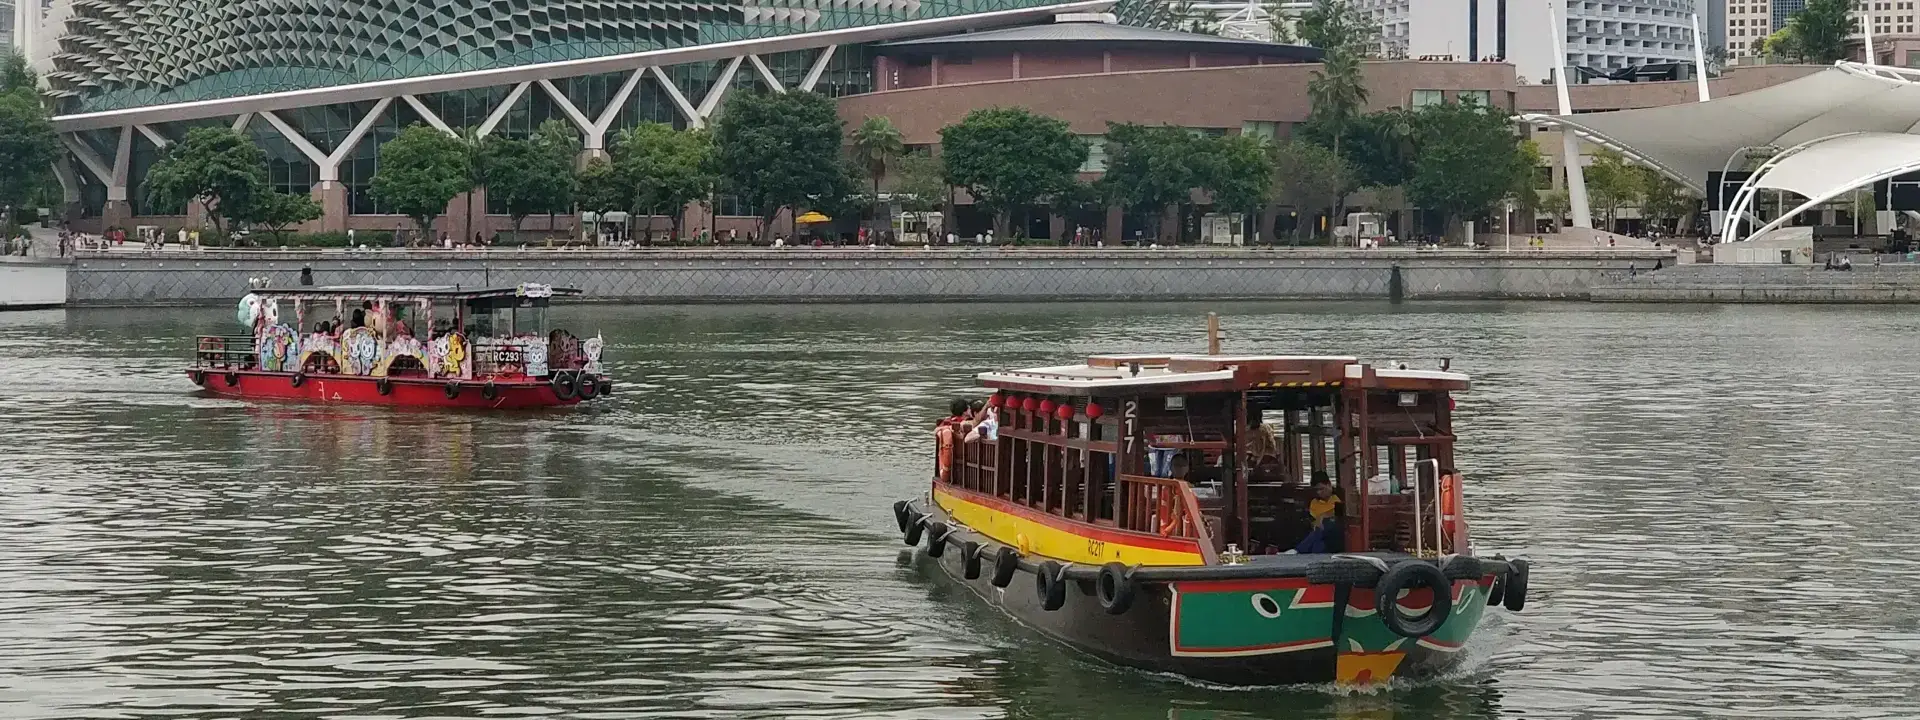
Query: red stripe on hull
[[1102, 533], [361, 390]]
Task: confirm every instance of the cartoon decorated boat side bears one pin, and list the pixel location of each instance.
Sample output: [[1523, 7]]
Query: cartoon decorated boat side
[[429, 346], [1253, 520]]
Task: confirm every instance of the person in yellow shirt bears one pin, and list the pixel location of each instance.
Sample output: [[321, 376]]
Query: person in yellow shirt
[[1324, 509]]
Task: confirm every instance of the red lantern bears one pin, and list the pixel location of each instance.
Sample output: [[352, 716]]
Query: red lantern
[[1064, 412], [1031, 404], [1046, 406], [1093, 410], [994, 400]]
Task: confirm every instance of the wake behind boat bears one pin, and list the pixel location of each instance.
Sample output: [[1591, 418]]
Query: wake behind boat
[[1251, 520], [484, 348]]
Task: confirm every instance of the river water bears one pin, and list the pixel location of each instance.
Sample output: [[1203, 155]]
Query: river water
[[1717, 500]]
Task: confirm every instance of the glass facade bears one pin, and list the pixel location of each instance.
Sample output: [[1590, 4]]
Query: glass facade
[[131, 53]]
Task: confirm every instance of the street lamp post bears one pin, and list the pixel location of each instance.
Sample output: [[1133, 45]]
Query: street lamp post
[[1507, 227]]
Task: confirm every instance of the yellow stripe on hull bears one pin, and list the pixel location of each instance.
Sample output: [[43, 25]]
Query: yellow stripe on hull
[[1033, 537]]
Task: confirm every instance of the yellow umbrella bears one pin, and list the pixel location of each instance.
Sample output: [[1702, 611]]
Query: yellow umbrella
[[812, 217]]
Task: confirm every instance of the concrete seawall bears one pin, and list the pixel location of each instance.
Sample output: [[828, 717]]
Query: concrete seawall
[[1786, 284], [858, 275], [27, 283]]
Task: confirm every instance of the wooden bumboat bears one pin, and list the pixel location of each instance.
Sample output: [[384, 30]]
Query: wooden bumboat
[[1073, 522], [474, 348]]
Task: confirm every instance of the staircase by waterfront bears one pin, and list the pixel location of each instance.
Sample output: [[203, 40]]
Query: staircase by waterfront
[[1710, 283]]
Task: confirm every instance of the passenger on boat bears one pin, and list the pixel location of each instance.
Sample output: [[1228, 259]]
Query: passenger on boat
[[360, 316], [1322, 509], [986, 426], [1264, 444]]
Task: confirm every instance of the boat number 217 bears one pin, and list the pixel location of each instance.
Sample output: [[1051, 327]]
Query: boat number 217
[[1097, 548]]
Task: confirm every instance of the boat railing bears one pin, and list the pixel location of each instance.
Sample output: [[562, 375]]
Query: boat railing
[[225, 352], [1162, 506]]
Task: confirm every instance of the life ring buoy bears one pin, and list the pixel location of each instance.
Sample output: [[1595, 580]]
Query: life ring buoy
[[1050, 585], [1006, 562], [563, 386], [970, 559], [586, 387], [383, 386], [915, 526], [1115, 588], [937, 539], [1408, 576], [452, 389], [488, 391], [233, 378], [298, 379], [1516, 586], [1169, 518]]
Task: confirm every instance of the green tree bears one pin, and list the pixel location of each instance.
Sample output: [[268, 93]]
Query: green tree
[[1339, 26], [1555, 204], [664, 169], [28, 145], [1009, 158], [1150, 168], [279, 211], [919, 184], [1280, 23], [532, 175], [777, 150], [420, 171], [220, 168], [876, 148], [1819, 32], [1236, 171], [1468, 159], [1307, 177], [1612, 184], [1338, 93], [1661, 198]]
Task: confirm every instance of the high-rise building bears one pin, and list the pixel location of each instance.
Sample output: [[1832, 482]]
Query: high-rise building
[[9, 26], [1601, 34], [1783, 10], [1614, 34], [1713, 21]]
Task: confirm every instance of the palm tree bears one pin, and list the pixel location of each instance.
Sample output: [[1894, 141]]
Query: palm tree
[[1338, 91], [876, 147], [478, 149]]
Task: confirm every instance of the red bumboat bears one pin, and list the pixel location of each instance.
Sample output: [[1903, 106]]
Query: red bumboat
[[488, 348]]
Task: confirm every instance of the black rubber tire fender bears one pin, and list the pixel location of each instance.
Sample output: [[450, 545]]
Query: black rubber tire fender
[[298, 379], [937, 533], [490, 391], [900, 510], [1407, 576], [563, 386], [586, 387], [606, 387], [1006, 562], [1462, 567], [198, 377], [233, 378], [1515, 598], [915, 526], [1050, 585], [383, 386], [970, 559], [453, 389], [1497, 590], [1344, 571], [1115, 588]]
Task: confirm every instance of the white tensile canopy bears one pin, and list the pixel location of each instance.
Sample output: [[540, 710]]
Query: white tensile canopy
[[1831, 131]]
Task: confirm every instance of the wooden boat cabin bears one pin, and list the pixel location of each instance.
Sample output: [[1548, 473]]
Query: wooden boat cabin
[[1222, 451]]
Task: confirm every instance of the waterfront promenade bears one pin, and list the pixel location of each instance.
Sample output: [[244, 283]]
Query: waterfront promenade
[[1892, 283], [854, 274]]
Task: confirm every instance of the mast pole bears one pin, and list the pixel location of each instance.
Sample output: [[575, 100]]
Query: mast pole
[[1213, 333]]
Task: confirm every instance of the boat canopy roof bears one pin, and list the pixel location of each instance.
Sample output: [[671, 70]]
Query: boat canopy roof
[[1180, 374], [447, 292]]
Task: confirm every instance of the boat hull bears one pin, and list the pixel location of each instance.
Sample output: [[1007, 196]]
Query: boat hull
[[1242, 631], [363, 390]]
